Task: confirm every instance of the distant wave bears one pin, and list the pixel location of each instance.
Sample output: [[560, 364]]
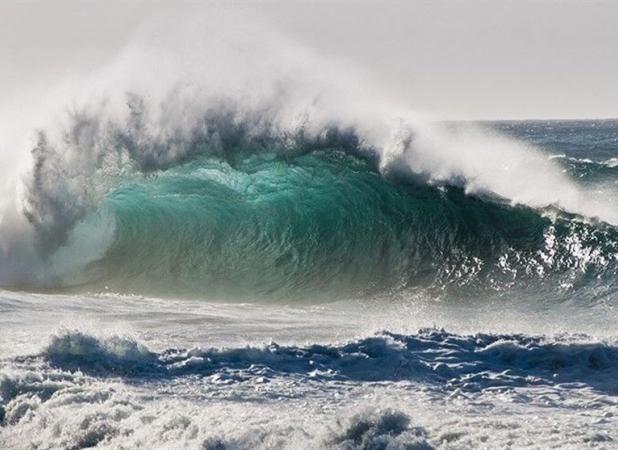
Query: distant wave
[[610, 163]]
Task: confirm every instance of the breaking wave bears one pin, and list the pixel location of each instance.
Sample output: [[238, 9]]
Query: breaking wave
[[288, 182], [242, 209], [432, 356]]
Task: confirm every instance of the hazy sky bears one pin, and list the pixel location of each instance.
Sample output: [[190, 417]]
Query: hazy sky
[[460, 59]]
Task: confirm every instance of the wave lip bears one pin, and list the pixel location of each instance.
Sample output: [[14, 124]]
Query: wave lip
[[434, 356]]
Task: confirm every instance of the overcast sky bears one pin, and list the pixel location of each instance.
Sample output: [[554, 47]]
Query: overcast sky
[[459, 59]]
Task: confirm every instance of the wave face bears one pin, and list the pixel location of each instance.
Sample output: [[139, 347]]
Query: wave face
[[326, 221], [242, 209]]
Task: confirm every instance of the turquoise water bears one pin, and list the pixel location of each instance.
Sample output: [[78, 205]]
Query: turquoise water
[[325, 224]]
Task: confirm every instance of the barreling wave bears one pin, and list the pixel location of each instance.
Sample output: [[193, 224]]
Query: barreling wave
[[319, 223], [241, 208], [241, 170]]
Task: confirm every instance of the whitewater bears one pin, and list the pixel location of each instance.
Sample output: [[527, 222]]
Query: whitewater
[[215, 244]]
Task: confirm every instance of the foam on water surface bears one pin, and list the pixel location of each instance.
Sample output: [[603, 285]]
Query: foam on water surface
[[313, 377]]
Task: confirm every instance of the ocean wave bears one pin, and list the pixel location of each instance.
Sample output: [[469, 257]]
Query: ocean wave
[[611, 162], [599, 170], [271, 201], [239, 215], [472, 363], [230, 158]]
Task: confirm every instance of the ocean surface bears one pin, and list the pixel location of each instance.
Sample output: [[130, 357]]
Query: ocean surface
[[235, 284]]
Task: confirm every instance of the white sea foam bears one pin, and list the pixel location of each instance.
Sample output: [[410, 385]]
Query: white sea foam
[[316, 396], [138, 372]]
